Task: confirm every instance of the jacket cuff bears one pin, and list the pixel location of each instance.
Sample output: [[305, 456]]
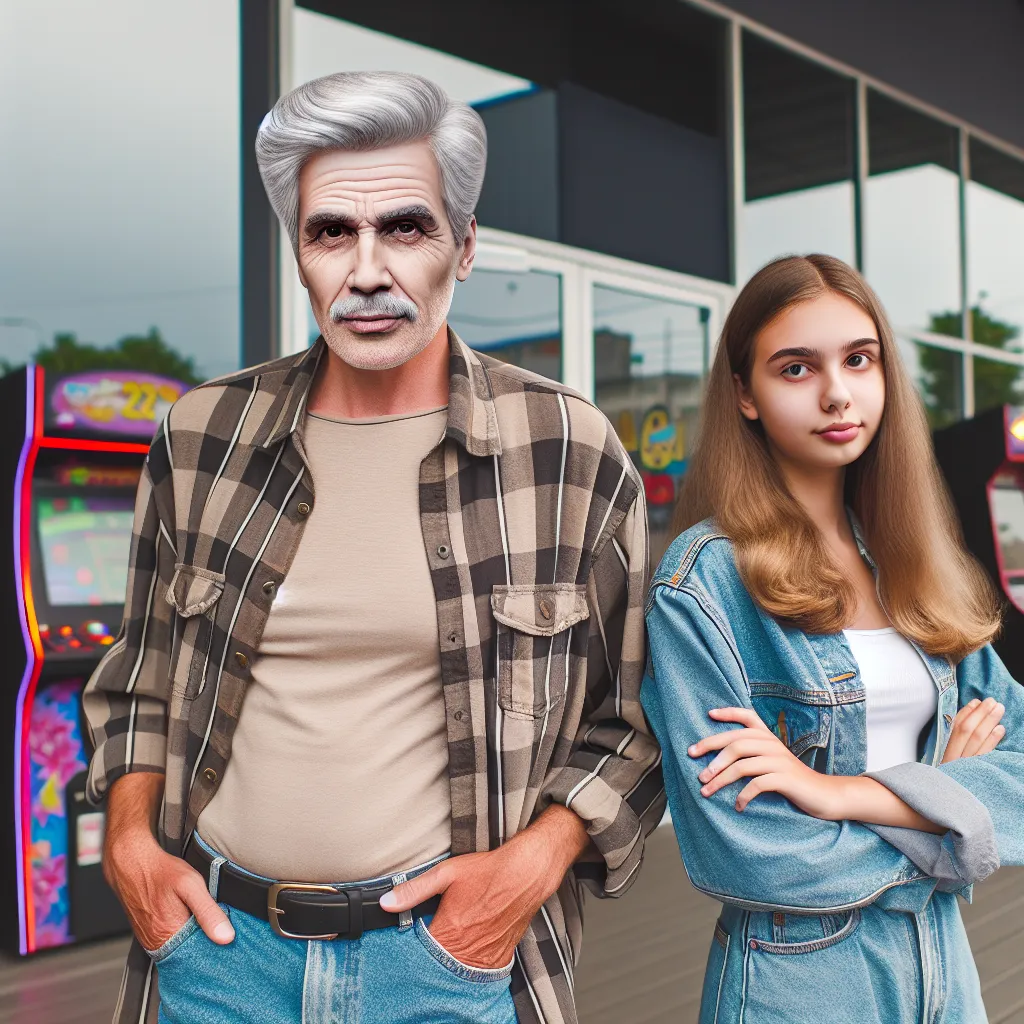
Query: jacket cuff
[[966, 853]]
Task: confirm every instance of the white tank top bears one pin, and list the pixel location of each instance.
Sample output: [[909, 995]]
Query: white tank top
[[900, 694]]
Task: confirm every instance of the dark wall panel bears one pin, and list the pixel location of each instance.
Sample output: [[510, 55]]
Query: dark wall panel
[[963, 56]]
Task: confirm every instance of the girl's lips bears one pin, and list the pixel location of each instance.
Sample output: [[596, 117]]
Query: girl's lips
[[841, 435]]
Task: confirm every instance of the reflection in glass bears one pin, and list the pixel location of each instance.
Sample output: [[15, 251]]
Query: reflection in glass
[[1006, 500], [939, 376], [997, 384], [912, 216], [799, 157], [995, 245], [515, 317], [120, 233], [650, 360]]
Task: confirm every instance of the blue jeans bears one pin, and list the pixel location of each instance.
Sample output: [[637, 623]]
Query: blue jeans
[[389, 976]]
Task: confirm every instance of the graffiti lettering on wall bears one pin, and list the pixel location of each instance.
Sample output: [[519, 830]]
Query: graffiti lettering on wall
[[658, 450]]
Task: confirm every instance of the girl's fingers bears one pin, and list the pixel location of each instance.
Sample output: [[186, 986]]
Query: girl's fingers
[[745, 716], [747, 746], [762, 784], [983, 730], [961, 731], [717, 741], [992, 742], [741, 769]]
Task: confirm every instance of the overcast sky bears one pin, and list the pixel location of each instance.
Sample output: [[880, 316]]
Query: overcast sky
[[119, 176]]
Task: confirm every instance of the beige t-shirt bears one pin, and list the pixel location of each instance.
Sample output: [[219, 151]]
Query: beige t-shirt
[[339, 763]]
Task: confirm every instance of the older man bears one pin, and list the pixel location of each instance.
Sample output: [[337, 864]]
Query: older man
[[378, 682]]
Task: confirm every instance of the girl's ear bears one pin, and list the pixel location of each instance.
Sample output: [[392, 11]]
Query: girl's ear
[[744, 399]]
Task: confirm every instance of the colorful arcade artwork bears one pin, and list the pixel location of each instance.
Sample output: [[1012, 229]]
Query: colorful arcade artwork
[[659, 451], [114, 401], [56, 756]]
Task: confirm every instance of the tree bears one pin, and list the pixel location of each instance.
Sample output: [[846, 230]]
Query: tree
[[147, 352], [941, 379]]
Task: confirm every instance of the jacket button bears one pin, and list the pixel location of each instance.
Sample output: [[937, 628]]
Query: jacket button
[[443, 552], [304, 508], [268, 587], [545, 610], [210, 775], [243, 661]]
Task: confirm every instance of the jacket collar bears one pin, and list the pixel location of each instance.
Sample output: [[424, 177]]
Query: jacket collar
[[472, 421]]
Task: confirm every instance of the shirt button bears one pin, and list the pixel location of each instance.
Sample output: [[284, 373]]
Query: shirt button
[[452, 637], [268, 587], [545, 610], [458, 716], [243, 661], [304, 508], [443, 552], [210, 775]]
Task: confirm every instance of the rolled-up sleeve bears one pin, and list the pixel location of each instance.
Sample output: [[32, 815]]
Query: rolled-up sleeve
[[612, 779], [125, 700]]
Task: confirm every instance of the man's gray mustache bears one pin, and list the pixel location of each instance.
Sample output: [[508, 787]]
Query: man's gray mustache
[[381, 304]]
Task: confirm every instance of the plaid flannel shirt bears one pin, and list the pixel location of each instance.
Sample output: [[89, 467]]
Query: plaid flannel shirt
[[534, 525]]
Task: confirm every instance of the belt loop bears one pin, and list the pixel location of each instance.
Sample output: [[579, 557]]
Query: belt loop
[[215, 866], [355, 914], [404, 916]]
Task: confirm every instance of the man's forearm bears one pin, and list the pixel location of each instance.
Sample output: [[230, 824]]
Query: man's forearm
[[132, 805], [557, 837]]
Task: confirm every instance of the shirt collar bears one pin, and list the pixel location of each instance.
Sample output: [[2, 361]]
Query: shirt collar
[[471, 417]]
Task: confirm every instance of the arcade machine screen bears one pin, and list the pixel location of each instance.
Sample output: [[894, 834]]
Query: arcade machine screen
[[85, 557]]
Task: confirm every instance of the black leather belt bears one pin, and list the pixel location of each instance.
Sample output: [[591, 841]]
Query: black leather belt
[[301, 910]]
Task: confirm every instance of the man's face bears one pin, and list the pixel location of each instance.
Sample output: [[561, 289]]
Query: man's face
[[376, 252]]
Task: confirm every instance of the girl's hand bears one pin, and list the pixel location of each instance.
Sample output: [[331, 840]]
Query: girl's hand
[[757, 753], [976, 730]]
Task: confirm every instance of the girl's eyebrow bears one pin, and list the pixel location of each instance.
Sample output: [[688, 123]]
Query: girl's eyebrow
[[813, 353]]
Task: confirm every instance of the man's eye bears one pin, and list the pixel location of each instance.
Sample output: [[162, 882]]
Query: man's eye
[[332, 231], [405, 227]]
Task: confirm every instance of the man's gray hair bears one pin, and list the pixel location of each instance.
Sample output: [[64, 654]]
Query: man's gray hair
[[361, 110]]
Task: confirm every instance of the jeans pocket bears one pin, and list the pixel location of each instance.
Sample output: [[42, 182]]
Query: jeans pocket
[[839, 934], [183, 934], [456, 967]]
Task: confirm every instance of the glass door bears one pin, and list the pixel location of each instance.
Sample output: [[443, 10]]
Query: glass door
[[651, 358]]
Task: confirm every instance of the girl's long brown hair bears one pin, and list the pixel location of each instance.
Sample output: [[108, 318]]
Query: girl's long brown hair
[[930, 587]]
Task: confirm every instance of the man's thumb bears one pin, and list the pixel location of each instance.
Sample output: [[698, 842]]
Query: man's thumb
[[416, 890]]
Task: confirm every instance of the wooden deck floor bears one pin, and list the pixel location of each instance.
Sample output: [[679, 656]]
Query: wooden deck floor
[[655, 941]]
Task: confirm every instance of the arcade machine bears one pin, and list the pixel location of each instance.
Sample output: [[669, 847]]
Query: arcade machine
[[983, 461], [69, 468]]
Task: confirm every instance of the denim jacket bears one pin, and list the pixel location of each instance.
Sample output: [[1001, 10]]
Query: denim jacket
[[792, 882]]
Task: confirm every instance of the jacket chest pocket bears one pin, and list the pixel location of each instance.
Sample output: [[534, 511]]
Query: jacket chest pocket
[[794, 717], [534, 636], [194, 593]]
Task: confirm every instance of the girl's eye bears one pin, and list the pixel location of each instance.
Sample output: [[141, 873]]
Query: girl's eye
[[857, 361], [795, 371]]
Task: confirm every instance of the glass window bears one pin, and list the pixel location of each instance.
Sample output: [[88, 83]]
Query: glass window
[[939, 376], [997, 383], [1006, 499], [798, 132], [650, 361], [120, 236], [912, 217], [515, 317], [995, 246]]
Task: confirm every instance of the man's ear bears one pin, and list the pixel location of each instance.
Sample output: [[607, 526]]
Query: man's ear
[[468, 252], [744, 399]]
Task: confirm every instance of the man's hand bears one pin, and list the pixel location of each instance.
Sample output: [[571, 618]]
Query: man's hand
[[158, 891], [976, 730], [489, 899]]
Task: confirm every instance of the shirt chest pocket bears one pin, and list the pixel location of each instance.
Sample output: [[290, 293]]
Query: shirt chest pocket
[[535, 626], [794, 716], [194, 593]]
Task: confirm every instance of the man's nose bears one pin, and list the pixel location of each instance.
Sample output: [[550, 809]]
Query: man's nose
[[370, 272]]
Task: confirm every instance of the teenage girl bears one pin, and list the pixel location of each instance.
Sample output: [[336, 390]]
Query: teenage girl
[[842, 748]]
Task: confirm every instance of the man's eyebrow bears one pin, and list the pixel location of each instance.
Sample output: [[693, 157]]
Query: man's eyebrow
[[416, 212], [317, 220]]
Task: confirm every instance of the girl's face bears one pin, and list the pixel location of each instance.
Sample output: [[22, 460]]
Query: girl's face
[[817, 384]]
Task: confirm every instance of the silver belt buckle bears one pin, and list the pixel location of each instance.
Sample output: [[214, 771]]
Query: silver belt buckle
[[274, 911]]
